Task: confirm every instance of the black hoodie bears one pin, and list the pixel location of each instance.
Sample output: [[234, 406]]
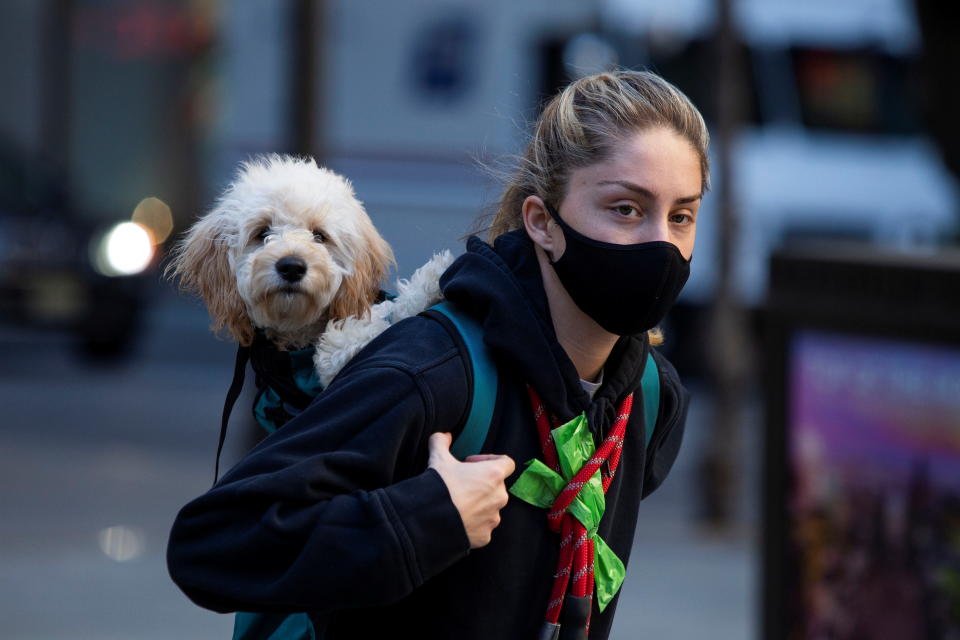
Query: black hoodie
[[337, 514]]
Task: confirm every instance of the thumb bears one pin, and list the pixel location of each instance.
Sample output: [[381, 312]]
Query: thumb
[[439, 447]]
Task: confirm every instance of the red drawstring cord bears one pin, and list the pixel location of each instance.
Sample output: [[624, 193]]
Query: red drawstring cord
[[576, 550]]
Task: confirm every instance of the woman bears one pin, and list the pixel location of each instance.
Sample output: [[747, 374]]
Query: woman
[[357, 512]]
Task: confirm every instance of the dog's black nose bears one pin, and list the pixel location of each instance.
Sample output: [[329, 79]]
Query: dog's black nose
[[291, 268]]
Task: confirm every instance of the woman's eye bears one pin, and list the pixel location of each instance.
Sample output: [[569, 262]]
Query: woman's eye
[[682, 218], [319, 236], [626, 210]]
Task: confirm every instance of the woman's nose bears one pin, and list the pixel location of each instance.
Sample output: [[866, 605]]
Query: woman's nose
[[659, 229]]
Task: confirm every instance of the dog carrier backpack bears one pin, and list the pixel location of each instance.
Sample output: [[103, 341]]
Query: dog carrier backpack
[[300, 626]]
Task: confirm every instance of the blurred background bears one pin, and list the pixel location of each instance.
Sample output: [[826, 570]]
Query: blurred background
[[822, 301]]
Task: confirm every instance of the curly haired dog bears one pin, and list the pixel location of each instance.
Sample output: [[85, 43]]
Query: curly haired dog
[[286, 248], [289, 250]]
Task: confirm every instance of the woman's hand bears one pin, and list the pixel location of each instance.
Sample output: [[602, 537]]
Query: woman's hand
[[476, 486]]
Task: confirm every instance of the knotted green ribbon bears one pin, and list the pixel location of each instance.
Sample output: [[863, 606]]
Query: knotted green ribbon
[[540, 485]]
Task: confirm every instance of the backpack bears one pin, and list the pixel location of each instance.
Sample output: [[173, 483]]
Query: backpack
[[299, 626]]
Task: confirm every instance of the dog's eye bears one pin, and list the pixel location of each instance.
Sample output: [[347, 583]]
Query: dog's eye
[[262, 233], [319, 236]]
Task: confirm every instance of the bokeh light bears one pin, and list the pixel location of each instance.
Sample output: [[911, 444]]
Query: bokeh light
[[124, 250], [155, 215], [121, 543]]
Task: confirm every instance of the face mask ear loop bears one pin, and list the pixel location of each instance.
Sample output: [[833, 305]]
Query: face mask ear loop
[[556, 218], [555, 215]]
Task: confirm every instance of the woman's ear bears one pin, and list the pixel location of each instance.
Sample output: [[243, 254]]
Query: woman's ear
[[201, 264], [539, 225]]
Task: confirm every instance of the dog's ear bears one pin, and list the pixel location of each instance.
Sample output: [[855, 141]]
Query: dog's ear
[[201, 264], [372, 258]]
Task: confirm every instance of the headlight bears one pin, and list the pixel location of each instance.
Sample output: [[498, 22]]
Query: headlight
[[124, 250]]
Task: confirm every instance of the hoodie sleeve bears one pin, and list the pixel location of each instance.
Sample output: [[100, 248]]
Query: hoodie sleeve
[[328, 512], [671, 421]]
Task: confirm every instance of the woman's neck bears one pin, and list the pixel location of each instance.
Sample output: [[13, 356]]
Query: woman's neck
[[587, 344]]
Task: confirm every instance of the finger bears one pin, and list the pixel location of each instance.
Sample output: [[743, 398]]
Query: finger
[[439, 446], [507, 464], [481, 457], [503, 464]]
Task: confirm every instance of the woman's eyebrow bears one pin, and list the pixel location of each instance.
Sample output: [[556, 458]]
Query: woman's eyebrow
[[626, 184]]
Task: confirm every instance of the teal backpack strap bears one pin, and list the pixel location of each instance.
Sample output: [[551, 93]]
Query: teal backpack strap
[[651, 395], [273, 626], [477, 425]]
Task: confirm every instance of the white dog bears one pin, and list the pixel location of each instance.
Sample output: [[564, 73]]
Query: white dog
[[288, 249]]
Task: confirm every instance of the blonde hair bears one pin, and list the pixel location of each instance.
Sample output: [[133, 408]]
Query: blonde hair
[[580, 127]]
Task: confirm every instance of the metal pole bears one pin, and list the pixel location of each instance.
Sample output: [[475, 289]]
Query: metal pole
[[307, 82], [728, 352], [55, 101]]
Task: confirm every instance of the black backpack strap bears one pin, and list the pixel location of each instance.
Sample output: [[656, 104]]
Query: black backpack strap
[[239, 370]]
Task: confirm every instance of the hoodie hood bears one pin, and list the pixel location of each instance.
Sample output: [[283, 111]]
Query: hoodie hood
[[502, 287]]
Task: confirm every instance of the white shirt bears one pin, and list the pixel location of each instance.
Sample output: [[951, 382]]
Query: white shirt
[[591, 387]]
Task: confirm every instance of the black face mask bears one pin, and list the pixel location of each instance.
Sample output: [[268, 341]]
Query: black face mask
[[625, 288]]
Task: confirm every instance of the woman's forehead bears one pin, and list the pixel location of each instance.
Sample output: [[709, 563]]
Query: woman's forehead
[[654, 163]]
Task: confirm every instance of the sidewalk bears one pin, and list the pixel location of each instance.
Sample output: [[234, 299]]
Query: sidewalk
[[684, 583]]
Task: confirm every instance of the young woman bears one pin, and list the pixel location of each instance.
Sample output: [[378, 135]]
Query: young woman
[[356, 512]]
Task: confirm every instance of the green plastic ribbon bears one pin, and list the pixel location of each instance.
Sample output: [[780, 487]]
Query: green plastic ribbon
[[608, 572], [540, 485]]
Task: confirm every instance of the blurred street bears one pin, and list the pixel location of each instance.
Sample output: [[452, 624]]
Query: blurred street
[[820, 307], [96, 461]]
